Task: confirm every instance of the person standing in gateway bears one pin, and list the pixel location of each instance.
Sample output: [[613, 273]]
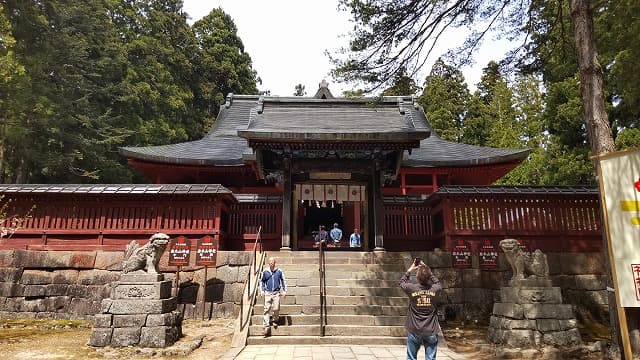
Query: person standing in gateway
[[336, 235], [422, 317], [272, 286]]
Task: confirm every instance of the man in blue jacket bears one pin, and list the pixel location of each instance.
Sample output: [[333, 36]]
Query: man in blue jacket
[[272, 286]]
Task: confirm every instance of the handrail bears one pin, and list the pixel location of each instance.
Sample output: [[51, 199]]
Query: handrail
[[321, 270], [254, 269]]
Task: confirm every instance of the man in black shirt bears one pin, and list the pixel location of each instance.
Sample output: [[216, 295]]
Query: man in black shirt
[[422, 317]]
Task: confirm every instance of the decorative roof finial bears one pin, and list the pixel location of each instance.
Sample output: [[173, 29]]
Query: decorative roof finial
[[323, 84]]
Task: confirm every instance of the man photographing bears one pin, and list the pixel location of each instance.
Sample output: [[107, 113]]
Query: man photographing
[[422, 317]]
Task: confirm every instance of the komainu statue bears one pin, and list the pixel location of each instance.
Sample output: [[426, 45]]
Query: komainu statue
[[145, 257], [523, 265]]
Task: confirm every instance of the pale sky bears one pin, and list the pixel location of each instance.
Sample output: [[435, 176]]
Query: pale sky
[[287, 39]]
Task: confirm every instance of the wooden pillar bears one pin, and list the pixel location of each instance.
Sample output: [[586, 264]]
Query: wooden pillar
[[375, 194], [286, 205]]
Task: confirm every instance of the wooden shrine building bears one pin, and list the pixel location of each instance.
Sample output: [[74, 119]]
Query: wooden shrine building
[[291, 164]]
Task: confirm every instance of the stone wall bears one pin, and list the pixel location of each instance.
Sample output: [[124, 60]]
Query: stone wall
[[65, 284], [470, 293], [72, 284]]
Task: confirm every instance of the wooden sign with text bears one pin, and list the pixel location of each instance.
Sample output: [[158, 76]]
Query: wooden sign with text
[[461, 255], [206, 251], [179, 251], [488, 256]]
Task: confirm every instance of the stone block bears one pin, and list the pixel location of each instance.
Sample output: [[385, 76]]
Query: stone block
[[567, 324], [477, 296], [80, 307], [140, 277], [173, 318], [449, 278], [8, 289], [128, 336], [509, 324], [102, 320], [97, 277], [228, 274], [233, 292], [548, 325], [133, 320], [225, 310], [155, 290], [57, 289], [492, 279], [36, 277], [122, 306], [548, 311], [35, 291], [452, 295], [582, 263], [109, 260], [510, 310], [67, 276], [564, 281], [591, 282], [159, 336], [562, 338], [6, 259], [550, 295], [10, 275], [234, 258], [54, 259], [439, 259], [100, 337], [471, 278]]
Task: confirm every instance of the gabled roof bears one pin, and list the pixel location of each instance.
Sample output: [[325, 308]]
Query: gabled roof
[[392, 119], [337, 119]]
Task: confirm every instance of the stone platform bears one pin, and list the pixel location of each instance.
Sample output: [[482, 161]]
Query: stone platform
[[531, 314], [140, 312]]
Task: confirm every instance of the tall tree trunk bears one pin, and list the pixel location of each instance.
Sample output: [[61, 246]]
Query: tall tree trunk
[[596, 120]]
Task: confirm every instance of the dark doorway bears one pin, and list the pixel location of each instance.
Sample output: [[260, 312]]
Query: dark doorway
[[317, 213]]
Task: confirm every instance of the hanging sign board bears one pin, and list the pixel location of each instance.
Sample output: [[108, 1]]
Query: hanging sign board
[[179, 251], [619, 175], [206, 251], [461, 254], [488, 256]]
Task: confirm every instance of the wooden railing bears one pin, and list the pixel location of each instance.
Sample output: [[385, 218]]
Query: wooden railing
[[92, 224], [246, 218]]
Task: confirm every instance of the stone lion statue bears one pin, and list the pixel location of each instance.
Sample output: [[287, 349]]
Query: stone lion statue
[[145, 257], [523, 265]]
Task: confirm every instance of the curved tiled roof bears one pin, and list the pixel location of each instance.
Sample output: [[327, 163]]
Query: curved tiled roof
[[299, 119]]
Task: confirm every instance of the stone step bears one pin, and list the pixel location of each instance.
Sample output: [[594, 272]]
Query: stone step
[[339, 309], [326, 340], [345, 300], [358, 273], [365, 320], [346, 291], [375, 283], [331, 330]]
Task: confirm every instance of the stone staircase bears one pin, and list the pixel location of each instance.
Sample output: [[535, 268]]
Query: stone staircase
[[364, 303]]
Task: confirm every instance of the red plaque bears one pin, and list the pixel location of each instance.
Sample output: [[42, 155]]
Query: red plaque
[[206, 251], [179, 251], [635, 269], [461, 255], [488, 256]]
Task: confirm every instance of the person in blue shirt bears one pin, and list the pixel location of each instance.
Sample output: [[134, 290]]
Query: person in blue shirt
[[272, 286], [336, 235], [354, 239]]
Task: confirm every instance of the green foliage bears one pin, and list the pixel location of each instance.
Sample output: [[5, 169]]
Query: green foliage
[[402, 85], [445, 99], [85, 78]]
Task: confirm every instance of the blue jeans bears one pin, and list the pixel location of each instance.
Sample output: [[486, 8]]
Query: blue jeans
[[430, 346]]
